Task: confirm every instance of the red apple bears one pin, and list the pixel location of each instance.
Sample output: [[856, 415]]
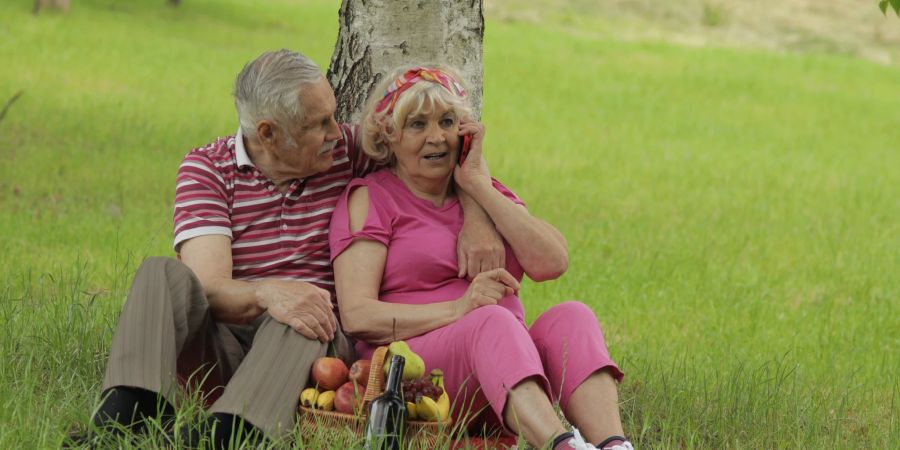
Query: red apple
[[346, 401], [329, 373], [359, 371]]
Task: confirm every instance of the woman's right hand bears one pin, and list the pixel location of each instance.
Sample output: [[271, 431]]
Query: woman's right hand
[[474, 173], [487, 288]]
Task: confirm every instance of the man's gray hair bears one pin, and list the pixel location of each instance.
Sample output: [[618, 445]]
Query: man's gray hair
[[268, 88]]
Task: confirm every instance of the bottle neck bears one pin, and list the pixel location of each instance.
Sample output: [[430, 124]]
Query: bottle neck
[[394, 374]]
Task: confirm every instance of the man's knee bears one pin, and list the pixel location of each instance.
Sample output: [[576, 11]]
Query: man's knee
[[168, 267], [286, 338], [159, 278]]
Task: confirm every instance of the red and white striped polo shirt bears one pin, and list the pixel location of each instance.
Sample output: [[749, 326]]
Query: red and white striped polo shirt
[[273, 235]]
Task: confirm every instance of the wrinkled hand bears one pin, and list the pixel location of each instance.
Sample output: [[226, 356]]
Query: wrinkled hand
[[487, 289], [474, 173], [302, 306], [479, 248]]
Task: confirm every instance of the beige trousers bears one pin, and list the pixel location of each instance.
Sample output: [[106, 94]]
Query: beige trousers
[[166, 331]]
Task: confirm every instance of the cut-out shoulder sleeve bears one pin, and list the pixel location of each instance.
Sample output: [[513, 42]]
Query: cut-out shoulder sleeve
[[377, 226], [506, 192]]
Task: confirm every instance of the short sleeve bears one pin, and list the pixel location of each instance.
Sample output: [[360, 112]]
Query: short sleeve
[[377, 227], [360, 163], [201, 206], [506, 192]]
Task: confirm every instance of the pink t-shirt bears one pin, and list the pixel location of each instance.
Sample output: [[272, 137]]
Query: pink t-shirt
[[421, 265]]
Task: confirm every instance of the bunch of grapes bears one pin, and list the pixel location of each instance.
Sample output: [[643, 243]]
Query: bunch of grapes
[[422, 386]]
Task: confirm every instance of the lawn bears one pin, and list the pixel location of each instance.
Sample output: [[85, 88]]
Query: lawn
[[732, 214]]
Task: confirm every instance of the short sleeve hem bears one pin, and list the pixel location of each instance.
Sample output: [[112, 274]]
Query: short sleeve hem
[[199, 231], [506, 192]]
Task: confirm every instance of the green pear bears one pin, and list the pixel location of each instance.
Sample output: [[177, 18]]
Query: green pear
[[414, 367]]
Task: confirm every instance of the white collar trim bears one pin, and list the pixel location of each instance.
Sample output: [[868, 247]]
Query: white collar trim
[[240, 153]]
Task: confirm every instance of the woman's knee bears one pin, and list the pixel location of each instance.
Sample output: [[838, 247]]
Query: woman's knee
[[571, 318], [490, 322], [571, 308], [490, 316], [566, 312]]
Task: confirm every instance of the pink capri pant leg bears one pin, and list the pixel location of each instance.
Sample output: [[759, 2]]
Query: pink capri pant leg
[[489, 351], [570, 342]]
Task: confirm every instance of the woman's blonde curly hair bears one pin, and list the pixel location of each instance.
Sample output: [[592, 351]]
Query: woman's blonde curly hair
[[379, 129]]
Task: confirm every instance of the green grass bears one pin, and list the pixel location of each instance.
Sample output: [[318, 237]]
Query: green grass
[[732, 215]]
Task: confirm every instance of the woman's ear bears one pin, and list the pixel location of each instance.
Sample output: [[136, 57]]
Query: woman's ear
[[387, 130]]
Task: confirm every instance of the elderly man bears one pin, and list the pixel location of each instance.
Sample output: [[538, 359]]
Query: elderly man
[[249, 304]]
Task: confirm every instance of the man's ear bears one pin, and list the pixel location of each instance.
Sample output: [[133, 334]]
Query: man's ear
[[266, 133]]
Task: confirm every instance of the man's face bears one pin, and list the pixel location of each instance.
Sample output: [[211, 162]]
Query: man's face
[[314, 135]]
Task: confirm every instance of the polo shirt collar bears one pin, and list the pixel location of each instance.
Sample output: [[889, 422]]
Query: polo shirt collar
[[240, 153]]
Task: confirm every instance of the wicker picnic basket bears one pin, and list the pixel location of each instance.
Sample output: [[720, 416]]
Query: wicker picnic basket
[[418, 433]]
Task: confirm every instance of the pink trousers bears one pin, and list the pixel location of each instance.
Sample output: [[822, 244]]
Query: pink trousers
[[489, 351]]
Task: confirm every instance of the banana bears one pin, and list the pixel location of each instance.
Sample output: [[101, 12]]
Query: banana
[[443, 405], [427, 409], [325, 401], [443, 402], [437, 378], [411, 411], [308, 397]]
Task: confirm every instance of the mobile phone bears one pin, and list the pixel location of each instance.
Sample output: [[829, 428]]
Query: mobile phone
[[464, 145]]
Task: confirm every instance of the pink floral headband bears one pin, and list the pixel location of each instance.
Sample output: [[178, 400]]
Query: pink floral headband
[[413, 76]]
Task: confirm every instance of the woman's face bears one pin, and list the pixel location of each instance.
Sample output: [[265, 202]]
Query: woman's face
[[428, 144]]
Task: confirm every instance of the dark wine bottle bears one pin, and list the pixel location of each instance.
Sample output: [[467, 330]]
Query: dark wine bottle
[[386, 424]]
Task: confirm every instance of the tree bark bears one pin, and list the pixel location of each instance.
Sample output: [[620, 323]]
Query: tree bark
[[62, 5], [376, 36]]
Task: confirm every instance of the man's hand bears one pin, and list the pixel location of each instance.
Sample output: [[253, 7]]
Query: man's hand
[[479, 247], [302, 306]]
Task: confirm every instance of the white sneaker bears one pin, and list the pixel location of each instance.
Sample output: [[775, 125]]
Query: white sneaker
[[623, 446], [578, 443]]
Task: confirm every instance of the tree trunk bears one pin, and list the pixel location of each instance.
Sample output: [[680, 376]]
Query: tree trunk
[[62, 5], [376, 36]]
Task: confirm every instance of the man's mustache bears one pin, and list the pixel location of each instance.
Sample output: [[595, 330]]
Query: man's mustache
[[328, 146]]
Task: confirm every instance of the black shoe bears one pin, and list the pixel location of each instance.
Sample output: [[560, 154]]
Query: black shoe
[[81, 439], [91, 439], [219, 431]]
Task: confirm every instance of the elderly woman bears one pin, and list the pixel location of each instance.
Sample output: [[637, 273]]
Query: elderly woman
[[393, 245]]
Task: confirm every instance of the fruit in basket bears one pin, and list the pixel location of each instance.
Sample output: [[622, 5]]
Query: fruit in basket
[[329, 373], [421, 386], [428, 410], [359, 371], [308, 397], [347, 401], [443, 400], [411, 411], [325, 401], [443, 404], [437, 377], [414, 367], [432, 403]]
